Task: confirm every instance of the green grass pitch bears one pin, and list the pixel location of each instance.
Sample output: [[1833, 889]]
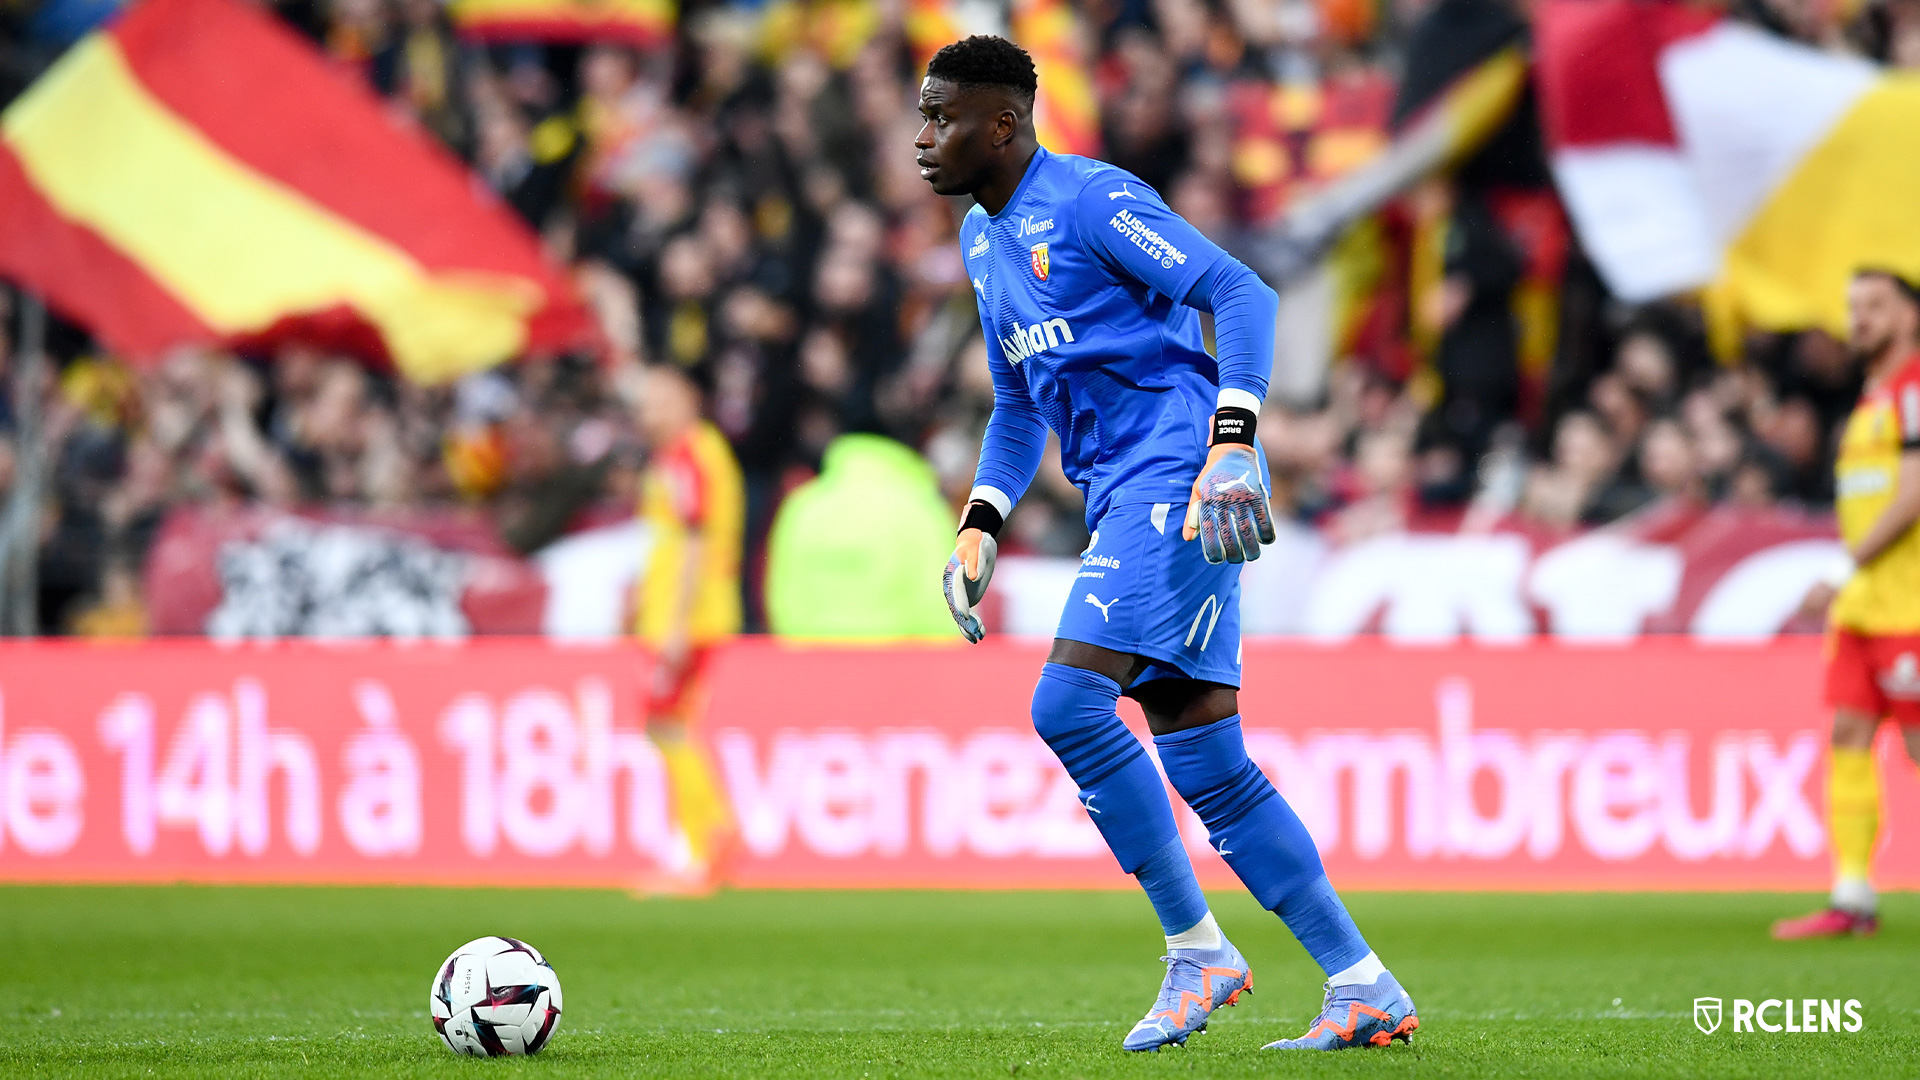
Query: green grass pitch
[[265, 982]]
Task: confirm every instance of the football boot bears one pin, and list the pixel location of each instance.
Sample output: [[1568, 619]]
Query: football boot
[[1198, 982], [1832, 922], [1371, 1015]]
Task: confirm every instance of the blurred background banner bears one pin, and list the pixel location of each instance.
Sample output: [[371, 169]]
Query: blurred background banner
[[1660, 765], [303, 763], [1719, 575], [271, 575], [195, 174], [1663, 765]]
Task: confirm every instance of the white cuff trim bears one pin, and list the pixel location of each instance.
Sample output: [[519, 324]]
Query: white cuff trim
[[1238, 399], [993, 497]]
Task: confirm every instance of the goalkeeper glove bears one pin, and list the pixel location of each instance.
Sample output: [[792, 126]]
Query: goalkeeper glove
[[971, 567], [1228, 510]]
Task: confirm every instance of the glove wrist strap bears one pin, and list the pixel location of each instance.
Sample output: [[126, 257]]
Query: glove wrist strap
[[1233, 425], [980, 515]]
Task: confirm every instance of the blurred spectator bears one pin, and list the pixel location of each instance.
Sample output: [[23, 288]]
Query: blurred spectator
[[120, 612], [1383, 487], [416, 69], [1646, 366], [1668, 463], [1792, 430], [1478, 361], [856, 552], [1562, 492]]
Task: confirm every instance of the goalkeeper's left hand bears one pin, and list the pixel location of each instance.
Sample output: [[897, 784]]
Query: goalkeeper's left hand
[[1228, 510]]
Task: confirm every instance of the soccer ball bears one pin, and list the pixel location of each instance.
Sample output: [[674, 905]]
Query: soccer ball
[[495, 997]]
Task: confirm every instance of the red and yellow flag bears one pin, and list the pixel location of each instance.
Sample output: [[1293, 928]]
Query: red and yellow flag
[[1066, 114], [931, 25], [196, 173], [639, 23]]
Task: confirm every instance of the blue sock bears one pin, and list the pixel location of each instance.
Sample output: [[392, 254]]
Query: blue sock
[[1073, 710], [1261, 838], [1318, 918], [1167, 875]]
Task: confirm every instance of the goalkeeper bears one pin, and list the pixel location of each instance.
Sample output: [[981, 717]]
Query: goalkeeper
[[1090, 292]]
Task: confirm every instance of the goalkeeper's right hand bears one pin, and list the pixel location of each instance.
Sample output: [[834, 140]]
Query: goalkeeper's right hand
[[970, 568]]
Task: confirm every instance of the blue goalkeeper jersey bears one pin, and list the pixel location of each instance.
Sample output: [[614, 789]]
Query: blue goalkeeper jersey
[[1081, 281]]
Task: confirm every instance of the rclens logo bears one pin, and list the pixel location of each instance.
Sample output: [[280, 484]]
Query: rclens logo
[[1799, 1015], [1040, 264]]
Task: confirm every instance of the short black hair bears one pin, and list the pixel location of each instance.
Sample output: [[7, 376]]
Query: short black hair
[[1900, 281], [986, 60]]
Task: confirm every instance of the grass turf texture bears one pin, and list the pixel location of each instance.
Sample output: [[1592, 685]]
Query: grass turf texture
[[256, 981]]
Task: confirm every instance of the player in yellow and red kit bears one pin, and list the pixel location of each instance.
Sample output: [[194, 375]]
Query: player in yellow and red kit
[[1873, 637], [693, 503]]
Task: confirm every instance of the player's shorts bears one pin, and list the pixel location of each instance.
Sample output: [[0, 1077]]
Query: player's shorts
[[1878, 674], [1143, 590]]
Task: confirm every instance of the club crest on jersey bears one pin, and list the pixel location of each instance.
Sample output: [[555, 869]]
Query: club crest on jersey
[[1040, 264]]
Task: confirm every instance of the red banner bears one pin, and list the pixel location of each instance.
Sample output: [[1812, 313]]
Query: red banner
[[1662, 764]]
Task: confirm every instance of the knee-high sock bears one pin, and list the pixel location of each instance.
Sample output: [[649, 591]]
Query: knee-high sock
[[1853, 811], [1073, 710], [1261, 838], [698, 806]]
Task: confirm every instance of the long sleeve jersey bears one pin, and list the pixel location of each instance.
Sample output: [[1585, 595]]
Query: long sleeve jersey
[[1089, 290]]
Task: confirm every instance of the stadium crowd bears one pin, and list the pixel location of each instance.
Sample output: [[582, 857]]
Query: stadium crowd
[[741, 202]]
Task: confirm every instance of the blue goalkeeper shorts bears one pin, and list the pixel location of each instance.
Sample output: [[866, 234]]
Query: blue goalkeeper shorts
[[1143, 590]]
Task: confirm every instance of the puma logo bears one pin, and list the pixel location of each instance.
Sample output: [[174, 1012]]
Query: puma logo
[[1240, 480], [1123, 193], [1087, 802], [1222, 849], [1105, 609]]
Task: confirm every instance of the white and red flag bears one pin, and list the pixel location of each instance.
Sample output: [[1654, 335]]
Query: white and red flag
[[1695, 151]]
